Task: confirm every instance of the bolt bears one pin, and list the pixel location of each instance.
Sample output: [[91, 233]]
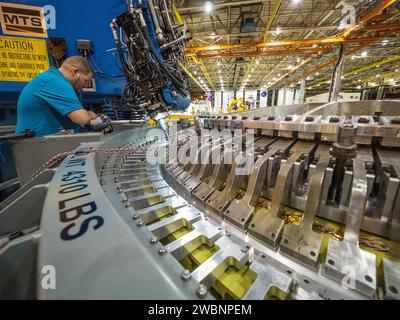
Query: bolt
[[346, 135], [363, 120], [202, 290], [186, 275], [309, 119], [135, 217], [153, 241], [162, 251], [140, 223]]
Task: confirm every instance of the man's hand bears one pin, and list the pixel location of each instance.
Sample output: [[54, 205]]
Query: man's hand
[[108, 129], [100, 123]]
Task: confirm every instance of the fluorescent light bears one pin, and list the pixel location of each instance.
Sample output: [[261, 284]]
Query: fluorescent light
[[278, 30], [296, 1], [364, 54], [208, 7], [358, 87], [342, 25]]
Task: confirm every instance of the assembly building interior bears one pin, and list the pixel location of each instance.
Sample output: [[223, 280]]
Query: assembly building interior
[[254, 152]]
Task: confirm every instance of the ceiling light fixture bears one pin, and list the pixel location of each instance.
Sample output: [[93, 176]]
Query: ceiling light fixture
[[208, 7]]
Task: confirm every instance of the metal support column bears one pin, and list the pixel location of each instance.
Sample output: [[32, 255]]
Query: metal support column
[[303, 86], [364, 95], [379, 94], [273, 98], [336, 80], [284, 97]]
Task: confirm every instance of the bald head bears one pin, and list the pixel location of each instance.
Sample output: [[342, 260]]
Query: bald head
[[78, 71], [80, 63]]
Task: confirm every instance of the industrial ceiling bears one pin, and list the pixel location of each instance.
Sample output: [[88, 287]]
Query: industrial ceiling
[[273, 44]]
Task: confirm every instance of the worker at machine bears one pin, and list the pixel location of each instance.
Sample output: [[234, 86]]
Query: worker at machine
[[49, 103]]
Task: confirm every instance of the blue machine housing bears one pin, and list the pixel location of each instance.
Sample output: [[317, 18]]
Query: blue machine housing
[[82, 20], [90, 20]]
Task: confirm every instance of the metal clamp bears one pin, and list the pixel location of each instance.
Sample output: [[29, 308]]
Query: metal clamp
[[268, 227], [301, 242]]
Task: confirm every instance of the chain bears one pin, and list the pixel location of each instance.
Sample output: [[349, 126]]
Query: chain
[[57, 159]]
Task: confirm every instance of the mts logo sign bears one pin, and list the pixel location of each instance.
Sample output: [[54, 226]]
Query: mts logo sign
[[22, 20]]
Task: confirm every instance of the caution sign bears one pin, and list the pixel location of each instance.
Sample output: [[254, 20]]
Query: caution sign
[[22, 20], [22, 59]]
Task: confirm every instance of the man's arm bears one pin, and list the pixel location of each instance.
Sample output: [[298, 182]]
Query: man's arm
[[90, 119], [82, 117]]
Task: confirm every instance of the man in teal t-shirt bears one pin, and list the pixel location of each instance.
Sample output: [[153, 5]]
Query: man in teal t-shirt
[[49, 103]]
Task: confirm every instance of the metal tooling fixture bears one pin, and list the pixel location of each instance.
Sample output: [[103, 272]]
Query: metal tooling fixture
[[314, 217]]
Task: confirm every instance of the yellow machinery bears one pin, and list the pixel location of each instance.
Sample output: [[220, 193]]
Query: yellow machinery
[[238, 105]]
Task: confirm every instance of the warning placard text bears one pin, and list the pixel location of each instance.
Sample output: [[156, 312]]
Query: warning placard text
[[21, 59]]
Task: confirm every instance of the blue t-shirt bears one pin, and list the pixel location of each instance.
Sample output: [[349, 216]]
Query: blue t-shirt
[[44, 104]]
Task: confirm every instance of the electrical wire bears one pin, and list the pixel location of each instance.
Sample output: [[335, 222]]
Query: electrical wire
[[100, 72], [146, 72]]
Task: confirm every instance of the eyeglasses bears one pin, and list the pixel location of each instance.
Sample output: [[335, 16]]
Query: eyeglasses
[[85, 77]]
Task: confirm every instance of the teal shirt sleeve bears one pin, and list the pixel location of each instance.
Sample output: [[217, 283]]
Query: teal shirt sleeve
[[60, 95]]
